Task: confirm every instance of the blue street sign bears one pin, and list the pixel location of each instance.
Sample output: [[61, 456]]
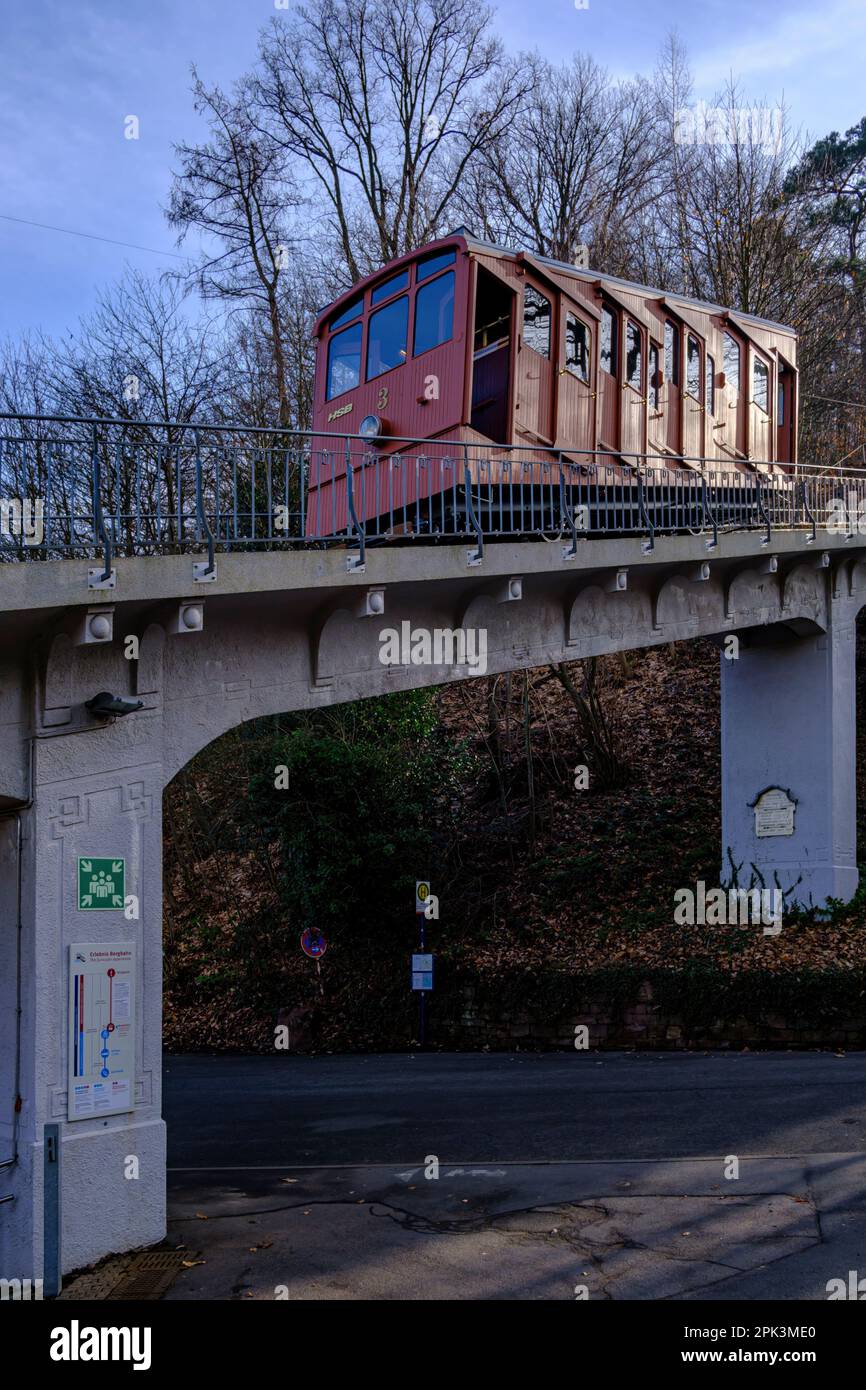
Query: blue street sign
[[422, 971]]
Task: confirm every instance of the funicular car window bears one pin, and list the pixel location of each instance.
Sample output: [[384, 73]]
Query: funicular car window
[[693, 367], [431, 264], [344, 360], [386, 337], [710, 375], [633, 355], [350, 312], [536, 321], [672, 353], [385, 291], [607, 347], [577, 341], [654, 376], [761, 384], [731, 361], [434, 313]]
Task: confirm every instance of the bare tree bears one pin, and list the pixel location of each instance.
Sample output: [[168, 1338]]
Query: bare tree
[[142, 355], [236, 189], [384, 104], [576, 167]]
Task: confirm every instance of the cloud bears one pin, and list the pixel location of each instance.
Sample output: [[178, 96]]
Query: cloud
[[795, 39]]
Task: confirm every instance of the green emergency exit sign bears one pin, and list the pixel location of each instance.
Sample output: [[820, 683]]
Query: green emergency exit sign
[[101, 884]]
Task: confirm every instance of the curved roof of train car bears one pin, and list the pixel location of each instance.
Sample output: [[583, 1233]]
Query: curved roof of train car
[[596, 276], [592, 277]]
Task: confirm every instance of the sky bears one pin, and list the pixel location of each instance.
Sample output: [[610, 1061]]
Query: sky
[[72, 73]]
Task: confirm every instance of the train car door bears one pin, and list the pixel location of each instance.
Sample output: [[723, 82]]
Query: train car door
[[535, 368], [693, 402], [576, 397], [609, 370], [785, 413], [655, 413], [733, 396], [491, 357], [672, 392], [632, 432], [761, 440]]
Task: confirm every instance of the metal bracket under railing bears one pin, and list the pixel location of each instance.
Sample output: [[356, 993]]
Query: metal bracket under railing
[[205, 572], [356, 564], [95, 580], [649, 545], [762, 509], [568, 553], [709, 515], [474, 557], [810, 517]]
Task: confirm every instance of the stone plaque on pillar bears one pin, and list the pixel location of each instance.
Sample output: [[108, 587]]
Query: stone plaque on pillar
[[774, 813]]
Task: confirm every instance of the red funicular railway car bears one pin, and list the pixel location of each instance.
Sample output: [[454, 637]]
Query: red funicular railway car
[[515, 365]]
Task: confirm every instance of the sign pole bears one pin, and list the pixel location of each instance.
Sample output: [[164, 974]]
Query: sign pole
[[422, 964], [421, 992]]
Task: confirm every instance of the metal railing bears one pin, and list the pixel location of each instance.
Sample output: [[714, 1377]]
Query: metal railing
[[98, 487]]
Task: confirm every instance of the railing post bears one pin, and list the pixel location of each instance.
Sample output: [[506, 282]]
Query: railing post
[[473, 556], [353, 564], [565, 511], [649, 544], [708, 513], [809, 514], [210, 569], [762, 509], [98, 517]]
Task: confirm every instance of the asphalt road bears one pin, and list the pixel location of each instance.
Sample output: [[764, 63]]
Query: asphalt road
[[600, 1176], [505, 1107]]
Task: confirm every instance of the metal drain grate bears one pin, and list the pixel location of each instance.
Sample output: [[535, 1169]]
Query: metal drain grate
[[147, 1275], [150, 1274]]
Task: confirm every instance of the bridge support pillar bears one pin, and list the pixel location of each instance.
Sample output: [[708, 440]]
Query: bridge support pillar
[[96, 794], [788, 729]]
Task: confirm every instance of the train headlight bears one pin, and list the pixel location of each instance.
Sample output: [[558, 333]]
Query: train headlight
[[371, 427]]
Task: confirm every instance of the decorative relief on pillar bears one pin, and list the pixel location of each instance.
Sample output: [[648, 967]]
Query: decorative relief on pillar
[[70, 812], [129, 799], [136, 800]]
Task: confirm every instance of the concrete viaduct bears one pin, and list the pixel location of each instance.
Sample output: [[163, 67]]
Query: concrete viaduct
[[298, 629]]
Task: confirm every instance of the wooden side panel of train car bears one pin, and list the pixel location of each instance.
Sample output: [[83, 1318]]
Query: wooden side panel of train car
[[713, 403], [576, 380], [534, 311], [761, 393]]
